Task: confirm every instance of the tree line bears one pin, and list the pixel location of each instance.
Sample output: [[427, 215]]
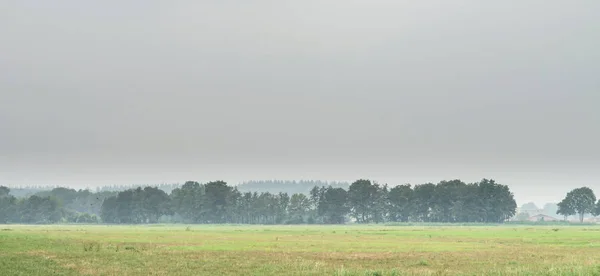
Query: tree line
[[363, 201], [57, 205]]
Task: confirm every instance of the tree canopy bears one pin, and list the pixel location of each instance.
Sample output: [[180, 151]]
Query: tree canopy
[[363, 201], [580, 201]]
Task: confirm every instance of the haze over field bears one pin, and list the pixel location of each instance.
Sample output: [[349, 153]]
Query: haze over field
[[136, 92]]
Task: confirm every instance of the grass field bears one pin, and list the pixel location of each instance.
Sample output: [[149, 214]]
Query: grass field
[[299, 250]]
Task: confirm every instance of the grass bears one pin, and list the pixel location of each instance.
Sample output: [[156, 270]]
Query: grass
[[299, 250]]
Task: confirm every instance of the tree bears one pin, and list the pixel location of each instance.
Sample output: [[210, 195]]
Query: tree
[[298, 208], [4, 191], [498, 202], [529, 208], [471, 207], [156, 203], [399, 200], [125, 207], [565, 208], [447, 201], [333, 205], [216, 202], [523, 216], [422, 202], [597, 209], [64, 195], [581, 200], [39, 210], [217, 195], [187, 201], [108, 211], [362, 196], [235, 209], [283, 202], [550, 209], [7, 205]]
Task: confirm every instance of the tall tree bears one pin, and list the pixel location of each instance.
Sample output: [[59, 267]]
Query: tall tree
[[187, 201], [362, 196], [156, 203], [447, 201], [108, 211], [422, 202], [498, 201], [399, 200], [217, 197], [566, 208], [298, 208], [333, 205], [582, 200]]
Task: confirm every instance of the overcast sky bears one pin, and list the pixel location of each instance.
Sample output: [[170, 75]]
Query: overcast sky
[[131, 92]]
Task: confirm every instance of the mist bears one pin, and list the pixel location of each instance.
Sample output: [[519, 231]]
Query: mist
[[399, 92]]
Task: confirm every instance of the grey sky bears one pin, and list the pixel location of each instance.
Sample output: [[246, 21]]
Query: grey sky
[[116, 92]]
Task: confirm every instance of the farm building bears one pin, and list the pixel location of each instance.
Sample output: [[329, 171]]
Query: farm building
[[542, 217]]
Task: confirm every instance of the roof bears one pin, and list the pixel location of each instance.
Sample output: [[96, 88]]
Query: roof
[[543, 216]]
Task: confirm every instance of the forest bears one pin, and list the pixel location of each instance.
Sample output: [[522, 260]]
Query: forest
[[363, 201]]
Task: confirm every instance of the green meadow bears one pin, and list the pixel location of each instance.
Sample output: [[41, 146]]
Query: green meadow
[[299, 250]]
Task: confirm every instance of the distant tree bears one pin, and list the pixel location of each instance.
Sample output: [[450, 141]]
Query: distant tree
[[217, 202], [126, 207], [235, 209], [217, 195], [283, 203], [362, 200], [187, 201], [566, 208], [333, 205], [247, 213], [4, 191], [315, 195], [136, 206], [298, 208], [529, 207], [422, 202], [64, 195], [86, 218], [155, 203], [471, 206], [597, 209], [285, 186], [523, 216], [581, 200], [399, 200], [380, 203], [498, 202], [550, 209], [7, 205], [316, 199], [447, 201], [108, 211], [39, 210]]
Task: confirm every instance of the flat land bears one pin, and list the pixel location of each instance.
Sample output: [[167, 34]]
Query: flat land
[[299, 250]]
